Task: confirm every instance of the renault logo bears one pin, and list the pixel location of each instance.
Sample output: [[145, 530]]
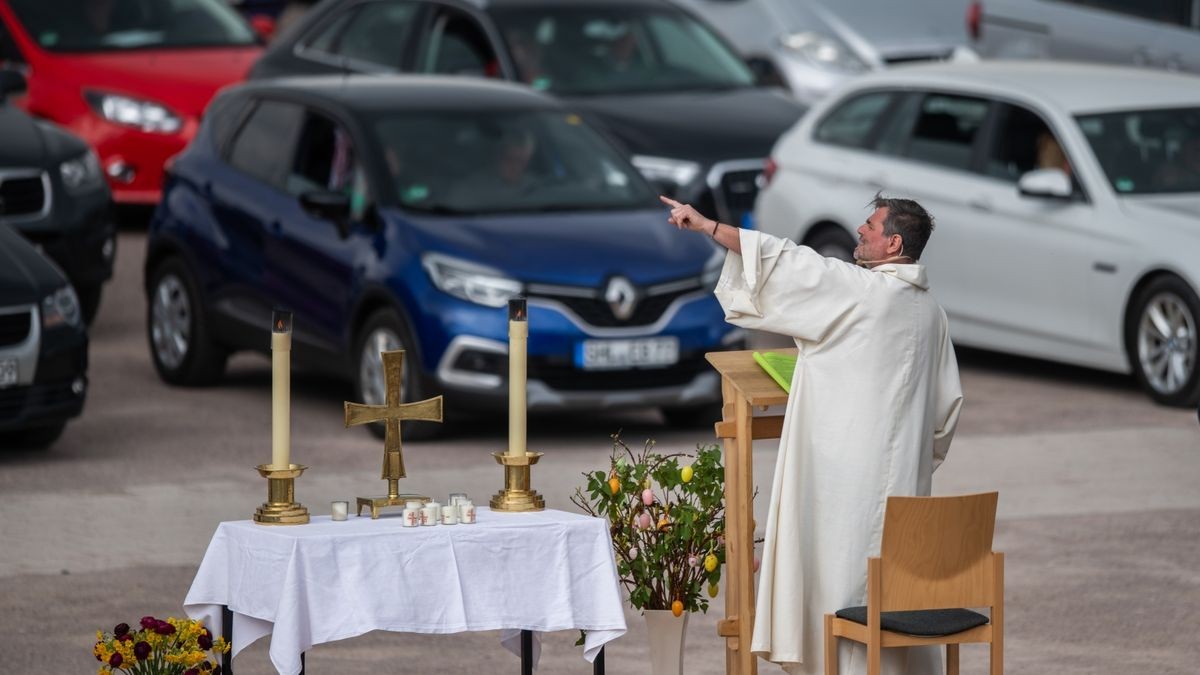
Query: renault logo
[[621, 297]]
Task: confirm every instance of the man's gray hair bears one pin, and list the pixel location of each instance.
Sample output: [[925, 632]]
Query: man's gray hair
[[908, 219]]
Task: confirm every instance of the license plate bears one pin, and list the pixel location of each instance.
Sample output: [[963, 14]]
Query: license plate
[[615, 354], [8, 372]]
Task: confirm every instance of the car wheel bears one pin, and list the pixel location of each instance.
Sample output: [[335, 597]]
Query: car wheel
[[832, 243], [1161, 340], [181, 344], [33, 438], [89, 301], [693, 417], [384, 331]]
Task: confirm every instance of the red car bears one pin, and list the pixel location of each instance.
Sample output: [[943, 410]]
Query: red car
[[130, 76]]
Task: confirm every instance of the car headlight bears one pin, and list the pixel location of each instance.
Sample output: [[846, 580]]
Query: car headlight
[[824, 51], [679, 172], [81, 173], [469, 281], [61, 308], [134, 112]]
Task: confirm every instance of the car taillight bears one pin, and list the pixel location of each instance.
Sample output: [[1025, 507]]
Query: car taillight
[[974, 19], [769, 169]]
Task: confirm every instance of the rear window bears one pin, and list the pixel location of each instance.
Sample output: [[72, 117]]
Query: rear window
[[114, 25], [851, 123], [263, 147], [945, 130]]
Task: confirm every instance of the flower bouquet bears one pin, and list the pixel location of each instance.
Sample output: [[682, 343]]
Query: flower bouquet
[[667, 521], [171, 647]]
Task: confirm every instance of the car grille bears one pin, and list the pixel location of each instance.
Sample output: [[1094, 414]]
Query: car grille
[[594, 310], [14, 401], [14, 328], [21, 194], [563, 375], [734, 190]]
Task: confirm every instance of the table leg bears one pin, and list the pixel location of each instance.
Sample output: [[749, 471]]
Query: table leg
[[227, 633], [526, 652], [598, 664]]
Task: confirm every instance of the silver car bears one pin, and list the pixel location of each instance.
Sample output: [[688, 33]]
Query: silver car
[[1152, 33], [811, 46]]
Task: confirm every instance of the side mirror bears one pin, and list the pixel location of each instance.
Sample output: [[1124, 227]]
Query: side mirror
[[765, 72], [11, 82], [333, 206], [1046, 184]]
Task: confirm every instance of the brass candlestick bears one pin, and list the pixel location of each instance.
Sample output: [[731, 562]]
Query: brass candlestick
[[517, 495], [281, 507]]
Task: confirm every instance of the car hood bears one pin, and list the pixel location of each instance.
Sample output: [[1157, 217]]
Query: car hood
[[1175, 212], [25, 275], [183, 79], [21, 141], [880, 30], [578, 249], [703, 126]]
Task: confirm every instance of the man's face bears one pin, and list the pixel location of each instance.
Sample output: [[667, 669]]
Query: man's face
[[872, 242]]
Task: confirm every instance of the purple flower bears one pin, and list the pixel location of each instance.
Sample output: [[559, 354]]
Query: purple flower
[[148, 622], [121, 630], [115, 660], [205, 641], [141, 650], [164, 628], [191, 671]]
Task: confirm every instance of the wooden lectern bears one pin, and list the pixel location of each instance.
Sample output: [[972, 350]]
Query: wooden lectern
[[744, 386]]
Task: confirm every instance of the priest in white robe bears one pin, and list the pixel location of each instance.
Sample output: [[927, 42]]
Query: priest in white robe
[[874, 402]]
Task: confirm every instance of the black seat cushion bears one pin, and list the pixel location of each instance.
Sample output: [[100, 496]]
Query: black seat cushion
[[922, 623]]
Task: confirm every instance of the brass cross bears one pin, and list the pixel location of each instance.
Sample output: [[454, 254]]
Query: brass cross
[[391, 413]]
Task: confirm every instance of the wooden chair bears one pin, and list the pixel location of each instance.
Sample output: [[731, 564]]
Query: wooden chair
[[935, 561]]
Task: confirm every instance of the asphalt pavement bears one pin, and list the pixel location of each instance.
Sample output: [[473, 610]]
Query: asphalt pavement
[[1099, 508]]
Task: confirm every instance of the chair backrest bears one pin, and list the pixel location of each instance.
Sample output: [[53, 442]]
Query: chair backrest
[[937, 552]]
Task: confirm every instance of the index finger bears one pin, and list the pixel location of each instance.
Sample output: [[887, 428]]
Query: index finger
[[669, 202]]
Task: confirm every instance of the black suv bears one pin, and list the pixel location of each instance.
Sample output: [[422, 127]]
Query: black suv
[[52, 191], [660, 81], [43, 346]]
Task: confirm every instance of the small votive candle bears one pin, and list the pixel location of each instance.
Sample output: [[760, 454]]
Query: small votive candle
[[431, 514], [449, 515], [412, 517], [466, 512], [414, 504], [457, 497], [339, 510]]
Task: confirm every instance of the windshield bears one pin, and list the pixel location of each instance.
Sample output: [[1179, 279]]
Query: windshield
[[103, 25], [608, 50], [489, 162], [1147, 151]]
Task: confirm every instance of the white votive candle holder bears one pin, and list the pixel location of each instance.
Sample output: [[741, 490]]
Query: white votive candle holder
[[449, 515], [431, 514], [339, 510], [412, 517], [466, 513]]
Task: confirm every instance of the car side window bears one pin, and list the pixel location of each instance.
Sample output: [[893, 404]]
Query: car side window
[[458, 45], [851, 123], [1175, 12], [9, 52], [1022, 142], [326, 161], [371, 33], [263, 146], [946, 129]]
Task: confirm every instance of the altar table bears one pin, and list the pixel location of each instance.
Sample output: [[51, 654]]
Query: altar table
[[305, 585]]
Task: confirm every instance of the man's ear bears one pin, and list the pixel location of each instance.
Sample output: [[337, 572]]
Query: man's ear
[[895, 245]]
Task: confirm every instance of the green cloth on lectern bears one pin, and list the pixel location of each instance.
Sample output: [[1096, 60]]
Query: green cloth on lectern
[[779, 366]]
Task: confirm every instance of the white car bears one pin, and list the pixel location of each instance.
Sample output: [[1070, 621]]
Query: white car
[[1066, 199]]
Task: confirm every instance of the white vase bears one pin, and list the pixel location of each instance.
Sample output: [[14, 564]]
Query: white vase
[[665, 633]]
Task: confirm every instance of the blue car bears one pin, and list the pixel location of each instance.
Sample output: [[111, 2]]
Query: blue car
[[404, 212]]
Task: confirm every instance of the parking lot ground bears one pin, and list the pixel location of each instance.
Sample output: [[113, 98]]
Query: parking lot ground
[[1099, 509]]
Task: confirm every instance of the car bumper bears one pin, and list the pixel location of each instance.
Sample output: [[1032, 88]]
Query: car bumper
[[472, 368], [59, 387], [133, 160]]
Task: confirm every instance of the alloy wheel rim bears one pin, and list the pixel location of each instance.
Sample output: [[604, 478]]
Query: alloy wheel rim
[[1167, 343], [171, 321], [370, 366]]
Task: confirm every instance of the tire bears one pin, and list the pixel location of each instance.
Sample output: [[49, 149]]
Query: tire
[[89, 301], [181, 343], [832, 242], [693, 417], [33, 438], [1161, 341], [384, 330]]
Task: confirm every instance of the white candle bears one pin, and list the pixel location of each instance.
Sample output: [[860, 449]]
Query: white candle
[[518, 340], [339, 510], [281, 384]]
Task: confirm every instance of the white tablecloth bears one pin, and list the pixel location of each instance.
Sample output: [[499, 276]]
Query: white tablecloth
[[308, 584]]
